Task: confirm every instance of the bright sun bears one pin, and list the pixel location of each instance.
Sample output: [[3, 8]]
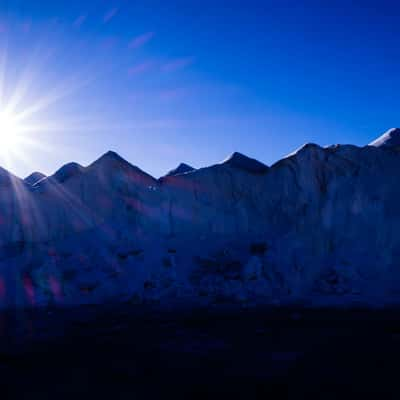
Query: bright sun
[[21, 129], [10, 130]]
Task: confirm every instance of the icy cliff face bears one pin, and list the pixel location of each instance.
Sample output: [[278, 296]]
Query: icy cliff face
[[321, 224]]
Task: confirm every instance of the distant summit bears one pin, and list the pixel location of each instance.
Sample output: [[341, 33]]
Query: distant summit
[[111, 161], [111, 156], [34, 177], [391, 138], [182, 168], [239, 160], [112, 166], [68, 171]]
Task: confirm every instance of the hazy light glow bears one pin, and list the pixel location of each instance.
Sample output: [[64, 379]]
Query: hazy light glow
[[10, 132]]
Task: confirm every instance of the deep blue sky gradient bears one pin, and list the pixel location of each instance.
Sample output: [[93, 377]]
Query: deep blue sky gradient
[[167, 81]]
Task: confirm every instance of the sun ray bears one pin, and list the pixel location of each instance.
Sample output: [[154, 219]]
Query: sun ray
[[3, 64], [22, 108], [54, 96]]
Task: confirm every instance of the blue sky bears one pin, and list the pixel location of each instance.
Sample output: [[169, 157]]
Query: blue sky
[[162, 82]]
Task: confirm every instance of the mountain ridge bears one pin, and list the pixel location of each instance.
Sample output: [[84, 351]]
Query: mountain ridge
[[237, 159], [321, 223]]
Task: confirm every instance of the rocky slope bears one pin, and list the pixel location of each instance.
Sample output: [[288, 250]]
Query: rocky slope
[[320, 225]]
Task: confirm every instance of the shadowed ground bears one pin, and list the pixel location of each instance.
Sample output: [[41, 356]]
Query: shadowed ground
[[128, 353]]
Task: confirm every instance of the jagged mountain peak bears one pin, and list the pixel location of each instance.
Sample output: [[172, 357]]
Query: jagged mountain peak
[[67, 171], [304, 148], [239, 160], [113, 155], [112, 161], [182, 168], [111, 158], [34, 178], [62, 175], [390, 138]]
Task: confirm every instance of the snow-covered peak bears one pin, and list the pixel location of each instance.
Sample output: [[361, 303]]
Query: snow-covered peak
[[111, 155], [391, 138], [182, 168], [34, 177], [111, 162], [239, 160], [111, 159], [303, 148]]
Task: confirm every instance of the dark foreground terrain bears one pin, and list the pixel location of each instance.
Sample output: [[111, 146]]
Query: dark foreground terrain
[[126, 353]]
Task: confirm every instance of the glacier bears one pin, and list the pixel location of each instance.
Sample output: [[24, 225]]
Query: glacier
[[319, 227]]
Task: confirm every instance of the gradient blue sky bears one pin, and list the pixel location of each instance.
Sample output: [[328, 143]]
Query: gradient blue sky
[[167, 81]]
